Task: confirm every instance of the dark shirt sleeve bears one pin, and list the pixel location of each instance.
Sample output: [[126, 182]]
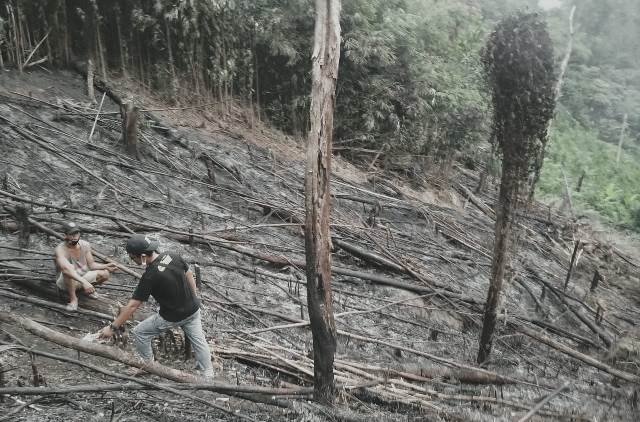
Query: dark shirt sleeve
[[184, 265], [143, 290]]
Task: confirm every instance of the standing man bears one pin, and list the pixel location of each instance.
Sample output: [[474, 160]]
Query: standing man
[[77, 268], [168, 279]]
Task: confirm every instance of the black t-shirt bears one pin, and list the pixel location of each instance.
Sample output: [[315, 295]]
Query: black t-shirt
[[165, 279]]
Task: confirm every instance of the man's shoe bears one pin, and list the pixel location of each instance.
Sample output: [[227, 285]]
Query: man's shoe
[[208, 376], [72, 306], [94, 295]]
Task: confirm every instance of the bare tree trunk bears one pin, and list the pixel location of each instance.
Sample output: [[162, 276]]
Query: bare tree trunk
[[90, 70], [567, 56], [174, 79], [130, 128], [24, 229], [580, 180], [16, 37], [597, 277], [621, 139], [567, 202], [123, 54], [257, 72], [67, 54], [47, 30], [102, 350], [103, 64], [576, 248], [23, 23], [140, 63], [325, 59], [90, 34], [23, 41], [504, 219]]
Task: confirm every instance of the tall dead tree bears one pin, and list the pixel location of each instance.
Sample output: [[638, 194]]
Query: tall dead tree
[[21, 214], [557, 90], [518, 60], [621, 138], [129, 113], [90, 19], [325, 59]]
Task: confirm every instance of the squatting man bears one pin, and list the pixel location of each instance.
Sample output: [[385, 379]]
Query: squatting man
[[77, 268], [168, 279]]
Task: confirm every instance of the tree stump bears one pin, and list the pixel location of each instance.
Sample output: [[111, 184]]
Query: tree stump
[[90, 72], [197, 271], [129, 114], [24, 228], [597, 277]]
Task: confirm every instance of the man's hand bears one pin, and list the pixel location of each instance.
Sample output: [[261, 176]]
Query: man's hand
[[106, 332], [88, 288], [111, 267]]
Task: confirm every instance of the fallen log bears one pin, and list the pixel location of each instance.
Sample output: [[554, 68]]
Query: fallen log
[[9, 415], [48, 290], [219, 241], [57, 306], [183, 236], [488, 211], [480, 373], [282, 214], [252, 393], [366, 255], [108, 352], [606, 339], [419, 392], [559, 331], [544, 401], [625, 258], [429, 374], [134, 386], [577, 355], [138, 381], [468, 371], [378, 279], [101, 85], [249, 392]]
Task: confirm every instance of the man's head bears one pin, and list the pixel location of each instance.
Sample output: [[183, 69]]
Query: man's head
[[140, 246], [71, 233]]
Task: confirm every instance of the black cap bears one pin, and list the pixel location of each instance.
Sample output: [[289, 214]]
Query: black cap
[[139, 244], [70, 228]]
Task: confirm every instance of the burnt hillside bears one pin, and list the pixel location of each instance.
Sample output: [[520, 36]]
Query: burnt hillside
[[412, 256]]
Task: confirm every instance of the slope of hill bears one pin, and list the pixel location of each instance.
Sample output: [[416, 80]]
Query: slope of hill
[[411, 268]]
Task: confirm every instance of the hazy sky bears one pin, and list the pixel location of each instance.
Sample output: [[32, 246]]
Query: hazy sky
[[548, 4]]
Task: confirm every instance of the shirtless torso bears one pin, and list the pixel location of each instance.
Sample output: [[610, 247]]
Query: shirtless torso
[[78, 270]]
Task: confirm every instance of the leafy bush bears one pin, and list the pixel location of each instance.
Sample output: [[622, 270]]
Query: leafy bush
[[611, 190]]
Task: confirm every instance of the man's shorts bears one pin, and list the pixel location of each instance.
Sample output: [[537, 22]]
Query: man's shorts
[[90, 276]]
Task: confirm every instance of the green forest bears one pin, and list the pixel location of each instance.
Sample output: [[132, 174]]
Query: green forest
[[410, 78]]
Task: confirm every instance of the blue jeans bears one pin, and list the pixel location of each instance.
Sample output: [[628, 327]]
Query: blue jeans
[[192, 326]]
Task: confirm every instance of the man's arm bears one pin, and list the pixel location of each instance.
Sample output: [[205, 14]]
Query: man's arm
[[125, 314], [191, 281], [67, 268], [93, 265]]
